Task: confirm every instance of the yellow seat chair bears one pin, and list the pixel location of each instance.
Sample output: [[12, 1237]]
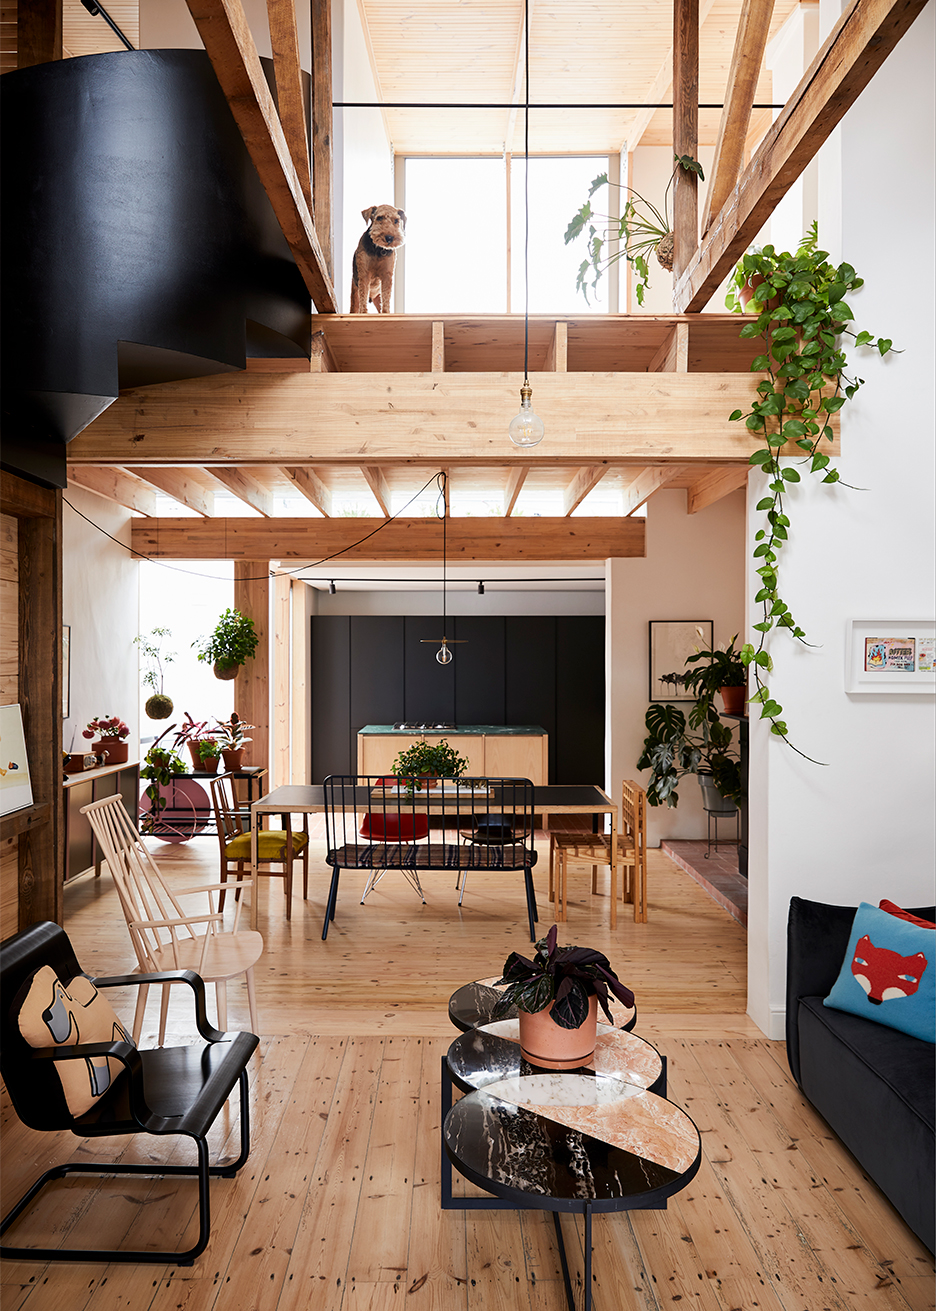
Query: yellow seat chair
[[274, 846]]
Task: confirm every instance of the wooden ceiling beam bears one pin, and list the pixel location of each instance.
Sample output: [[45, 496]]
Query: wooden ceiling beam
[[377, 482], [711, 487], [746, 60], [115, 485], [223, 27], [648, 481], [429, 419], [585, 480], [685, 130], [399, 540], [323, 208], [246, 486], [515, 480], [284, 39], [312, 488], [185, 485], [859, 43], [660, 88]]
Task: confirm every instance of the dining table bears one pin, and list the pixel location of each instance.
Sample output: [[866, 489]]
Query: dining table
[[309, 799]]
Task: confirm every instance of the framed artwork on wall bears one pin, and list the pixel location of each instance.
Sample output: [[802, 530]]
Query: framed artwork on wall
[[15, 787], [671, 641], [66, 669], [890, 655]]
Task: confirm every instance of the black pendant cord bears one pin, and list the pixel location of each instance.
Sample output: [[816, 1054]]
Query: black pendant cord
[[526, 193]]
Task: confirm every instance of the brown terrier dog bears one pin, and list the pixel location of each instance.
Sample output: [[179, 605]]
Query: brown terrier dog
[[375, 257]]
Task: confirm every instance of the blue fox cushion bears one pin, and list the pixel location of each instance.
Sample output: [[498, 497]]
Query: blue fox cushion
[[53, 1014], [889, 973]]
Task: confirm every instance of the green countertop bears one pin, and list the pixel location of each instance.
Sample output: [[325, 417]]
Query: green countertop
[[477, 730]]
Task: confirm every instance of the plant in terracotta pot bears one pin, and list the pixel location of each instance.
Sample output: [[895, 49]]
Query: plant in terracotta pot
[[557, 994], [158, 705], [202, 744], [719, 670], [234, 641], [110, 733], [230, 735], [430, 760]]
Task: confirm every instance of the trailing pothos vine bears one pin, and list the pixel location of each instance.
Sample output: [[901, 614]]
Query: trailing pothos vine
[[801, 313]]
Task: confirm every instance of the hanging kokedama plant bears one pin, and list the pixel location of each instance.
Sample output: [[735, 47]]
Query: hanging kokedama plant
[[799, 301], [157, 706]]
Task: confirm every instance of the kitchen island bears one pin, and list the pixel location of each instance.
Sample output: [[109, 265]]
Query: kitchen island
[[492, 750]]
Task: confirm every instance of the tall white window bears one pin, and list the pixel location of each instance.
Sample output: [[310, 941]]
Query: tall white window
[[463, 256]]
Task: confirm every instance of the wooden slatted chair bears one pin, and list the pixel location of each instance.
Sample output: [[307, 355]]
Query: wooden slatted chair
[[46, 1059], [275, 847], [594, 849], [632, 847], [164, 935]]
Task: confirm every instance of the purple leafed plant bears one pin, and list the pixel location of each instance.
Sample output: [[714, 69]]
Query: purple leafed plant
[[569, 976]]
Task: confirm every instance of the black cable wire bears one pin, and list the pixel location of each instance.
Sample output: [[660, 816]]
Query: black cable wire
[[526, 192], [462, 104], [269, 574]]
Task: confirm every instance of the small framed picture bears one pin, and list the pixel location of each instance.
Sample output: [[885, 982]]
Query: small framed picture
[[66, 669], [890, 656], [15, 787], [671, 641]]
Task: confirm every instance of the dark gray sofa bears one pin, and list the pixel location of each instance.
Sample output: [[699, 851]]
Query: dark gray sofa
[[875, 1086]]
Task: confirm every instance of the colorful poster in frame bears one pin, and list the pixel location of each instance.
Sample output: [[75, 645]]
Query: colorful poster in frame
[[15, 787], [890, 656]]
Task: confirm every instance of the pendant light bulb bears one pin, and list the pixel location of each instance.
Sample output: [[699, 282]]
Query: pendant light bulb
[[444, 655], [526, 428]]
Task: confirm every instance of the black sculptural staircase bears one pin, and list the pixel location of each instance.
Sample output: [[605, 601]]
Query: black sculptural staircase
[[138, 244]]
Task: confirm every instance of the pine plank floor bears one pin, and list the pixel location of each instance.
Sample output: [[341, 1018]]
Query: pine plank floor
[[338, 1207]]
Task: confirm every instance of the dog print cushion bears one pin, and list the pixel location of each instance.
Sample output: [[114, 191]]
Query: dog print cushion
[[889, 973], [53, 1014]]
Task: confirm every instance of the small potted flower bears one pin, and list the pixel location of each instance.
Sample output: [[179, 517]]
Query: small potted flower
[[202, 744], [231, 738], [110, 732], [557, 994]]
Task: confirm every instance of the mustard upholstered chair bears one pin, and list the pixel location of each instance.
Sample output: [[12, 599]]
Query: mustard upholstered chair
[[274, 846]]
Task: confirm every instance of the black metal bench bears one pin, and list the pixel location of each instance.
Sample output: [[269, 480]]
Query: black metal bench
[[392, 807]]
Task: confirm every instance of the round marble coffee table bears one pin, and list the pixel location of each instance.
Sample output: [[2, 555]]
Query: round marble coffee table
[[473, 1003], [571, 1142], [488, 1053]]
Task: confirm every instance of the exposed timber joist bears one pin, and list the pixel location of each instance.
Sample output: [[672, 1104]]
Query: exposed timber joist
[[711, 487], [312, 488], [284, 40], [429, 419], [685, 130], [187, 486], [660, 87], [859, 43], [323, 130], [515, 480], [584, 481], [377, 482], [223, 27], [646, 483], [115, 485], [399, 540], [245, 485], [750, 44]]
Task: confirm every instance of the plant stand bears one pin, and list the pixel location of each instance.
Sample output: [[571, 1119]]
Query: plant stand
[[712, 817]]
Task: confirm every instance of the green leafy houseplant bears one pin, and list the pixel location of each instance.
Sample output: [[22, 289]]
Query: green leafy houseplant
[[234, 641], [157, 706], [670, 751], [568, 976], [641, 231], [159, 765], [435, 759], [800, 311], [231, 734]]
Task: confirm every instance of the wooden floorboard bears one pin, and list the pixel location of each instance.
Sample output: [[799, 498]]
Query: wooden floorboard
[[338, 1206]]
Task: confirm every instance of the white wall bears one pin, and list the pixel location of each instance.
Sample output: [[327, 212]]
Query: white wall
[[694, 569], [863, 826], [493, 602], [100, 601]]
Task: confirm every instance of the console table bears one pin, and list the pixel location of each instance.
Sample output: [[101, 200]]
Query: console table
[[81, 849]]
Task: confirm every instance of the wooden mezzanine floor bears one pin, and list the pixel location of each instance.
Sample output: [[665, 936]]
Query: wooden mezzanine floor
[[338, 1206]]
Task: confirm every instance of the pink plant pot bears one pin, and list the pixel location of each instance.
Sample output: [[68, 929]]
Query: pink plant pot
[[546, 1044]]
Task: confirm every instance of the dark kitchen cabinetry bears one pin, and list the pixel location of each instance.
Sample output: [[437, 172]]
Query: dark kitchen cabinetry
[[537, 669]]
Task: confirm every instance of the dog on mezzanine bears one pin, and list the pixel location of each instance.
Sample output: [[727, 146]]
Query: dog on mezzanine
[[375, 258]]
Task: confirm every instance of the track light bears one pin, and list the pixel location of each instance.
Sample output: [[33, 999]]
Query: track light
[[332, 589], [480, 589]]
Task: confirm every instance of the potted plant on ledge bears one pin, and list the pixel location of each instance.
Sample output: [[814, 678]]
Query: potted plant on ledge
[[723, 671], [230, 735], [670, 752], [234, 641], [110, 733], [557, 994]]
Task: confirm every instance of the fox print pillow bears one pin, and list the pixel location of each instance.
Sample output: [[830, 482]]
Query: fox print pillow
[[889, 973]]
